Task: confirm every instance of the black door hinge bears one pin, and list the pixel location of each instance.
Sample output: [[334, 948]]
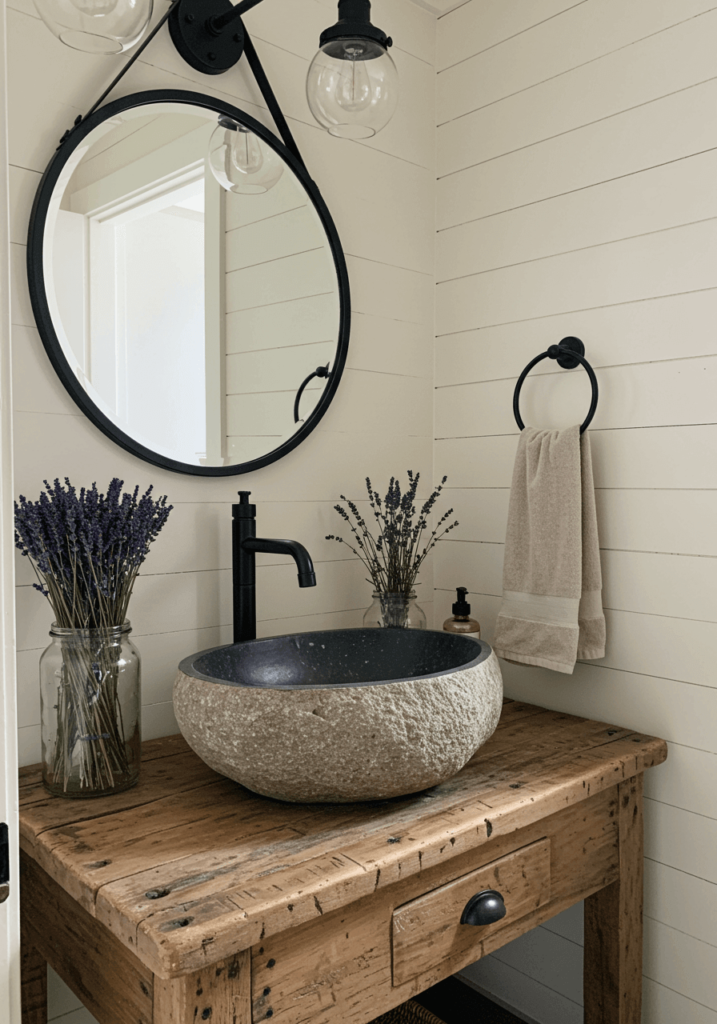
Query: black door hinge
[[4, 863], [4, 855]]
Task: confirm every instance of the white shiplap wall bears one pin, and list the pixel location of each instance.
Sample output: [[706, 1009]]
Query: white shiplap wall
[[576, 153], [380, 423]]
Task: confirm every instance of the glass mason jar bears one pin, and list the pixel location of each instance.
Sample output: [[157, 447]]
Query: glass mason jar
[[397, 611], [89, 689]]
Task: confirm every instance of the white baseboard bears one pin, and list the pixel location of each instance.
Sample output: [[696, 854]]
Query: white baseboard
[[497, 1000], [525, 997]]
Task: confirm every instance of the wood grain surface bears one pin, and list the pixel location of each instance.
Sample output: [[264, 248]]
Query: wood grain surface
[[107, 977], [337, 968], [612, 979], [188, 867], [33, 980], [428, 930], [220, 993]]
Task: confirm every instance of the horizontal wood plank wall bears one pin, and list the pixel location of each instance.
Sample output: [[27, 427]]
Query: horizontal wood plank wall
[[576, 159], [381, 195]]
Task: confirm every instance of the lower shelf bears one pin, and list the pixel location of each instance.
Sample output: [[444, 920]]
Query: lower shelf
[[409, 1013], [452, 1002]]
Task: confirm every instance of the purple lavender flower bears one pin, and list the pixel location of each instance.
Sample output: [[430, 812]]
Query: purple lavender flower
[[87, 548], [393, 557]]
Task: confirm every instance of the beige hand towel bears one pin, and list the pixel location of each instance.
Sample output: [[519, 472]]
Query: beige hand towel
[[552, 585]]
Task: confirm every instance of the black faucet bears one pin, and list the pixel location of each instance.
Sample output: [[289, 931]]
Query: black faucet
[[245, 545]]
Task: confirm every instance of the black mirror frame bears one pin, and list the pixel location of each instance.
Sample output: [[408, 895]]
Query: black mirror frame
[[41, 310]]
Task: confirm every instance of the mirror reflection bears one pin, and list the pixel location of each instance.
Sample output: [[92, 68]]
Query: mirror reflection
[[191, 314]]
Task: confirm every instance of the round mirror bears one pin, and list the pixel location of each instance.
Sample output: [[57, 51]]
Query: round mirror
[[187, 279]]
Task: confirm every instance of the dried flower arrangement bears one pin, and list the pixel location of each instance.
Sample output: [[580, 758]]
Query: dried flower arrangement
[[394, 557], [86, 549]]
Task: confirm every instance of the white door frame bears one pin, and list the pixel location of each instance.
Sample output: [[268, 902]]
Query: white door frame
[[10, 910]]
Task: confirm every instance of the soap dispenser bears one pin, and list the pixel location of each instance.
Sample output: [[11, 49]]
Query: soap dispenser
[[460, 621]]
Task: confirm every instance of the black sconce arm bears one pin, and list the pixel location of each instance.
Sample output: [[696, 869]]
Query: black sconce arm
[[217, 24]]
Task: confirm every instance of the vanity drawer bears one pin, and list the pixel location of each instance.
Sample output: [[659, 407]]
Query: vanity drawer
[[427, 930]]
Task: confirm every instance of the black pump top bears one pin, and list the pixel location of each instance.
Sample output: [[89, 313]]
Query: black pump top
[[461, 607]]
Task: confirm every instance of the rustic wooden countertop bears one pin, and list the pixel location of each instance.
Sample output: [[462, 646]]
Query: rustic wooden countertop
[[189, 867]]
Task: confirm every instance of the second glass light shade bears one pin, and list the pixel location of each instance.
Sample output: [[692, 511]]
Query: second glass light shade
[[96, 26], [352, 88], [240, 161]]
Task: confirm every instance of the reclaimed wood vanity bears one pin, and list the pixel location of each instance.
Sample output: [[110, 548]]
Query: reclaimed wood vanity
[[190, 899]]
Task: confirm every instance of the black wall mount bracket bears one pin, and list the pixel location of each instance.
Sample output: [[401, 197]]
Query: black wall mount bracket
[[205, 49], [566, 346]]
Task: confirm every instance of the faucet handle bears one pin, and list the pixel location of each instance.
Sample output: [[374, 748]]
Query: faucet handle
[[243, 509]]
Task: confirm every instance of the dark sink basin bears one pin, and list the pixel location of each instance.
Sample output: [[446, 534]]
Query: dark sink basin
[[341, 657]]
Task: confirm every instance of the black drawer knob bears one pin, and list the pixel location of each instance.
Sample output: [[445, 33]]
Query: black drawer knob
[[485, 907]]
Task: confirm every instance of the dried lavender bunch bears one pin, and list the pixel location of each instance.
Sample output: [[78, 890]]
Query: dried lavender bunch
[[395, 555], [87, 548]]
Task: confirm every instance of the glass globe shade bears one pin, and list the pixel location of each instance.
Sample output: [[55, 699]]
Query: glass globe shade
[[96, 26], [240, 161], [352, 88]]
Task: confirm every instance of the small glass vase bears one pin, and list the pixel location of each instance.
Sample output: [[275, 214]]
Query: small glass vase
[[395, 611], [90, 697]]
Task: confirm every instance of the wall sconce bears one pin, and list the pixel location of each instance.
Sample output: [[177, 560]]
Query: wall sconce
[[352, 84]]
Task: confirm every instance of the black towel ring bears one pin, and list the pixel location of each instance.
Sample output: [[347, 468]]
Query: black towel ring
[[320, 371], [569, 354]]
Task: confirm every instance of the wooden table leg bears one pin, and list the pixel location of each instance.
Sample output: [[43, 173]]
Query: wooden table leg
[[220, 994], [613, 925], [33, 973]]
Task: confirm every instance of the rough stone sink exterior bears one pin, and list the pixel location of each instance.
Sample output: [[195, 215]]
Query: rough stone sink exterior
[[342, 715]]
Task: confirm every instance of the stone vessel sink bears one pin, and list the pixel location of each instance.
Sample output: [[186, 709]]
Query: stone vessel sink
[[341, 715]]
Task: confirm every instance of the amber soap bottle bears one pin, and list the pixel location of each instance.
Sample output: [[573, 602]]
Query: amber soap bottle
[[460, 621]]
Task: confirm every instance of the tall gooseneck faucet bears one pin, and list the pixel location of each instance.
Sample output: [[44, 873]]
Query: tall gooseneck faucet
[[245, 545]]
